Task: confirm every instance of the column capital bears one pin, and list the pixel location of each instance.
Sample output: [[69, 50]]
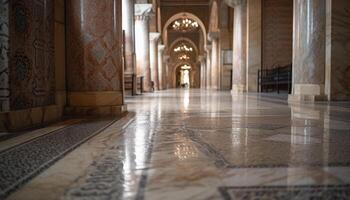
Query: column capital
[[208, 48], [213, 35], [154, 36], [143, 11], [233, 3]]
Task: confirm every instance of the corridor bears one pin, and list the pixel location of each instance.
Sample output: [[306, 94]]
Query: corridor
[[206, 144]]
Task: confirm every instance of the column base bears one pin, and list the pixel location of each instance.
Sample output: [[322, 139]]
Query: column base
[[98, 111], [238, 89], [308, 93], [29, 118], [101, 103], [306, 98]]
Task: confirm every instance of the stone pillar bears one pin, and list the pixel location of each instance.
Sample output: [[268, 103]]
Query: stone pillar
[[201, 60], [167, 83], [142, 13], [161, 70], [153, 43], [208, 68], [338, 50], [239, 47], [94, 57], [215, 64], [253, 44], [128, 27], [309, 50]]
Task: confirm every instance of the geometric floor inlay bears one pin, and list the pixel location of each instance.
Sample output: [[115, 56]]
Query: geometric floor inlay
[[21, 163], [323, 192]]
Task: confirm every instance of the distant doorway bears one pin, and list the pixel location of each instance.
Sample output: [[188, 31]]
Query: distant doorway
[[183, 76]]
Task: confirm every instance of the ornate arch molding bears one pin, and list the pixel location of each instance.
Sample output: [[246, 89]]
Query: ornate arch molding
[[178, 40], [178, 16]]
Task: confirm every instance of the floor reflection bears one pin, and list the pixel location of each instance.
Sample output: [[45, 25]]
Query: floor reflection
[[203, 144], [259, 141]]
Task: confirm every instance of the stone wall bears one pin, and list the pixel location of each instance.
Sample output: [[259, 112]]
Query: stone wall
[[27, 64], [4, 61], [60, 53], [32, 71], [277, 32]]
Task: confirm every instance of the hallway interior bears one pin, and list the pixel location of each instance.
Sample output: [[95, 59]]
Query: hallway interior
[[174, 99], [195, 144]]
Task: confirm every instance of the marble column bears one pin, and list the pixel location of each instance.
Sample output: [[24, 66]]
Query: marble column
[[128, 27], [167, 83], [253, 43], [215, 65], [94, 57], [239, 46], [142, 14], [338, 50], [153, 43], [208, 68], [201, 60], [309, 34], [161, 71]]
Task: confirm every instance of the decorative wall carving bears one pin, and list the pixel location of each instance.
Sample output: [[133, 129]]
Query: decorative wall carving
[[32, 74], [4, 49]]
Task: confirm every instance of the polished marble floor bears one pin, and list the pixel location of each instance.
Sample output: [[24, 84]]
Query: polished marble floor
[[201, 144]]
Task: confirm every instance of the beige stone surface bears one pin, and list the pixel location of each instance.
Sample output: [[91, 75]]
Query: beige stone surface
[[110, 98]]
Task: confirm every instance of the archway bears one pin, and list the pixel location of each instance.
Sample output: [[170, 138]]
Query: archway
[[184, 76], [184, 39], [181, 15]]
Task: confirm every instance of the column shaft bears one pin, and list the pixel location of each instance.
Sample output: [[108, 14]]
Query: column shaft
[[239, 48], [309, 50], [208, 69], [142, 51], [253, 44], [128, 27], [154, 59], [161, 71], [203, 72], [214, 83], [94, 65]]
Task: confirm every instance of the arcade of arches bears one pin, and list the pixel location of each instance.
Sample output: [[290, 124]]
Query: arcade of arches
[[174, 99]]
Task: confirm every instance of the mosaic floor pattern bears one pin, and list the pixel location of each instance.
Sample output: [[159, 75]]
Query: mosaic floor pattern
[[20, 163], [196, 144]]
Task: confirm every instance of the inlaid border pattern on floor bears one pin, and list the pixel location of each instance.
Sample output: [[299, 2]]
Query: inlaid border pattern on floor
[[286, 192], [21, 163]]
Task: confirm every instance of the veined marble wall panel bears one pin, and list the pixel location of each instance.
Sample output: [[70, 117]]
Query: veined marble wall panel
[[94, 45], [340, 50], [4, 50], [32, 72], [277, 32]]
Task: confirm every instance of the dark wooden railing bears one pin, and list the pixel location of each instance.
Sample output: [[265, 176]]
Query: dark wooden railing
[[276, 79]]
